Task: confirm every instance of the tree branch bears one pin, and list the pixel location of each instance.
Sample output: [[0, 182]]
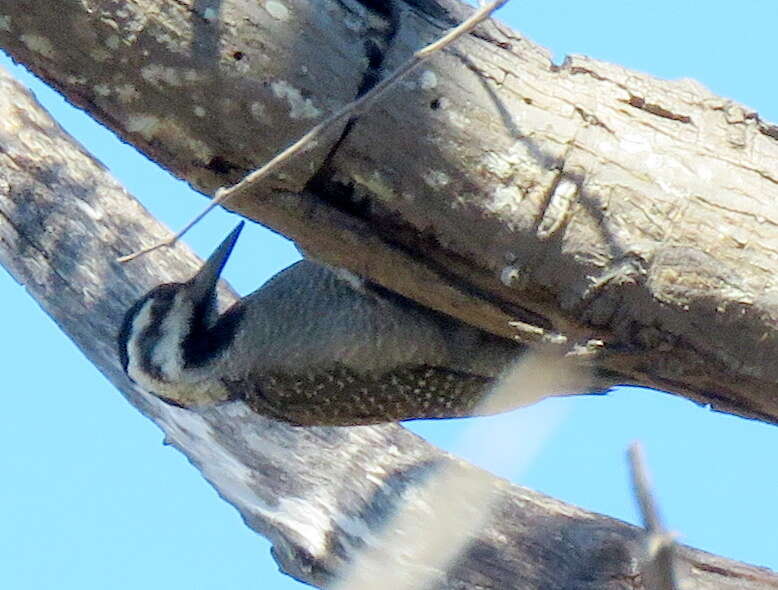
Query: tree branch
[[321, 495], [251, 182], [581, 204]]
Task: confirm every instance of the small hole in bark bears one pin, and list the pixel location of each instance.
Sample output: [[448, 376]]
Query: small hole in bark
[[238, 55], [527, 100], [435, 104]]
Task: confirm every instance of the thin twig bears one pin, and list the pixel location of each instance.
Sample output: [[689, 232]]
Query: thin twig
[[659, 569], [352, 109]]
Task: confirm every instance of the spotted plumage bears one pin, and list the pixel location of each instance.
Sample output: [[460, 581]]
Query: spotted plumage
[[342, 397], [308, 348]]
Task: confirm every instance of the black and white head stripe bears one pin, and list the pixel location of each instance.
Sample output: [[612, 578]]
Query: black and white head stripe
[[166, 333], [142, 328]]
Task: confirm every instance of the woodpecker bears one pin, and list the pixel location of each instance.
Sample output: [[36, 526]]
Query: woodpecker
[[307, 348]]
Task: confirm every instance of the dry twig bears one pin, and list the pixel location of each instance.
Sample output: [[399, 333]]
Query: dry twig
[[659, 567]]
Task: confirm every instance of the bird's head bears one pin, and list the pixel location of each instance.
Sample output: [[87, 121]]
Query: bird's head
[[172, 338]]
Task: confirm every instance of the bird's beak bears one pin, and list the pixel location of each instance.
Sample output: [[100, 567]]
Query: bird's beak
[[204, 282]]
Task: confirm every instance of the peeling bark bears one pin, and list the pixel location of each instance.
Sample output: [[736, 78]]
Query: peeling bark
[[321, 495]]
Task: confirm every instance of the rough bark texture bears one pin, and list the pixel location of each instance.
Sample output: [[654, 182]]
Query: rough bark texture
[[322, 495], [581, 204]]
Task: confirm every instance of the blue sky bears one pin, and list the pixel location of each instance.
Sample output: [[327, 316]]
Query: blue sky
[[90, 498]]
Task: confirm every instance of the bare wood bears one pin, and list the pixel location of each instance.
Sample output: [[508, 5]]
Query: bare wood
[[588, 203], [319, 494]]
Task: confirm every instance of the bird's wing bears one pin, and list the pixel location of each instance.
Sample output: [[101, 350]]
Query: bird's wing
[[342, 397]]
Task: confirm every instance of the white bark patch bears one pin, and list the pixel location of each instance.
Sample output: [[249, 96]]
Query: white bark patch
[[76, 80], [505, 198], [299, 107], [170, 131], [159, 75], [38, 44], [199, 111], [100, 55], [558, 209], [456, 118], [5, 22], [351, 278], [436, 179], [354, 23], [634, 144], [499, 165], [654, 161], [277, 10], [428, 80], [145, 125], [308, 519], [258, 111], [510, 275], [377, 184], [90, 211], [102, 90], [191, 76], [517, 161], [127, 93]]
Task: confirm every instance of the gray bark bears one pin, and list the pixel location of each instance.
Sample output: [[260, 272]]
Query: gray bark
[[321, 495], [583, 204]]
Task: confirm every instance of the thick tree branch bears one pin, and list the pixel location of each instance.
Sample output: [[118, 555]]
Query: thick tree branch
[[321, 495], [581, 203], [578, 204], [252, 182]]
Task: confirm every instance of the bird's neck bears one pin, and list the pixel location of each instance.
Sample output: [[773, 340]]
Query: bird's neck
[[207, 341]]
